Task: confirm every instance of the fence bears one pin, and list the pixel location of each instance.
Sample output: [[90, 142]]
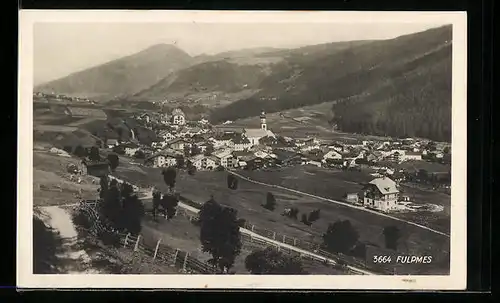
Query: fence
[[294, 241], [157, 251]]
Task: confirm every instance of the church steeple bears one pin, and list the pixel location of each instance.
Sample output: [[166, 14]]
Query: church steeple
[[263, 124]]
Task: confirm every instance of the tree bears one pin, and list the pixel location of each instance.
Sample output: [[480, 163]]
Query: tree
[[232, 182], [195, 150], [270, 202], [104, 183], [169, 176], [313, 216], [80, 152], [340, 236], [170, 203], [132, 210], [209, 150], [392, 235], [156, 203], [293, 213], [180, 161], [47, 244], [304, 220], [446, 150], [111, 206], [359, 251], [114, 161], [191, 168], [139, 154], [119, 150], [220, 234], [187, 151], [269, 261], [94, 154], [68, 149]]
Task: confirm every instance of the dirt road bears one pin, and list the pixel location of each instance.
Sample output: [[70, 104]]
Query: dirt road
[[74, 260]]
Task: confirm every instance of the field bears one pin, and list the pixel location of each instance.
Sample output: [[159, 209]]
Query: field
[[334, 184], [51, 183], [247, 200]]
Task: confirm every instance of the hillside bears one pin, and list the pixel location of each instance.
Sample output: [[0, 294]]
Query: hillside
[[221, 79], [207, 77], [123, 76], [380, 73]]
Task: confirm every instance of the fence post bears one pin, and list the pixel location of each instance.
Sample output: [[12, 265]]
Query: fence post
[[137, 242], [274, 235], [185, 261], [126, 240], [284, 237], [252, 227], [175, 256], [156, 249], [294, 241]]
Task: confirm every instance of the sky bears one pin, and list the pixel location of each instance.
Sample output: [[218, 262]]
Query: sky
[[63, 48]]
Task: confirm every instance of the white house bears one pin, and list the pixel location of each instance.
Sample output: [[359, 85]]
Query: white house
[[332, 155], [131, 149], [162, 159], [241, 143], [381, 194], [202, 162], [166, 135], [412, 156], [178, 117], [224, 157]]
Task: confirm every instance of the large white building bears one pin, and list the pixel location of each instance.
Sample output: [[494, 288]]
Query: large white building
[[178, 117], [381, 194], [255, 134]]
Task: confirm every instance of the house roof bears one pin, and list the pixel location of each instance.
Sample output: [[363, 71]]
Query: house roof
[[176, 140], [222, 153], [284, 154], [241, 153], [166, 153], [196, 158], [258, 133], [385, 185], [177, 112], [240, 140]]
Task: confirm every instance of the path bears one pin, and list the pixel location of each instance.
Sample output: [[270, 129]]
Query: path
[[60, 220], [275, 242], [341, 203]]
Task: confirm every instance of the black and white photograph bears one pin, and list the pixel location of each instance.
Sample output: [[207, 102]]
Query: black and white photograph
[[242, 149]]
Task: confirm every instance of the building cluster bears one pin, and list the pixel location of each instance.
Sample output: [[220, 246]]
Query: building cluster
[[39, 96], [207, 147]]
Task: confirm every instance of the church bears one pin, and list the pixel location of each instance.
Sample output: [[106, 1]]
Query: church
[[255, 134]]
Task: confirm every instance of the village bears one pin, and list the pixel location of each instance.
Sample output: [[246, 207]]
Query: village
[[199, 146]]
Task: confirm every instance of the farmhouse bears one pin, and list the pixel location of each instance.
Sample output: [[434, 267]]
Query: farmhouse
[[202, 162], [162, 159], [225, 158], [178, 117], [284, 157], [110, 143], [95, 168], [130, 149], [381, 194], [332, 155], [412, 156], [177, 144]]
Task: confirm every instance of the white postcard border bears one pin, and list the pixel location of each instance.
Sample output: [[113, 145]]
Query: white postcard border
[[455, 281]]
